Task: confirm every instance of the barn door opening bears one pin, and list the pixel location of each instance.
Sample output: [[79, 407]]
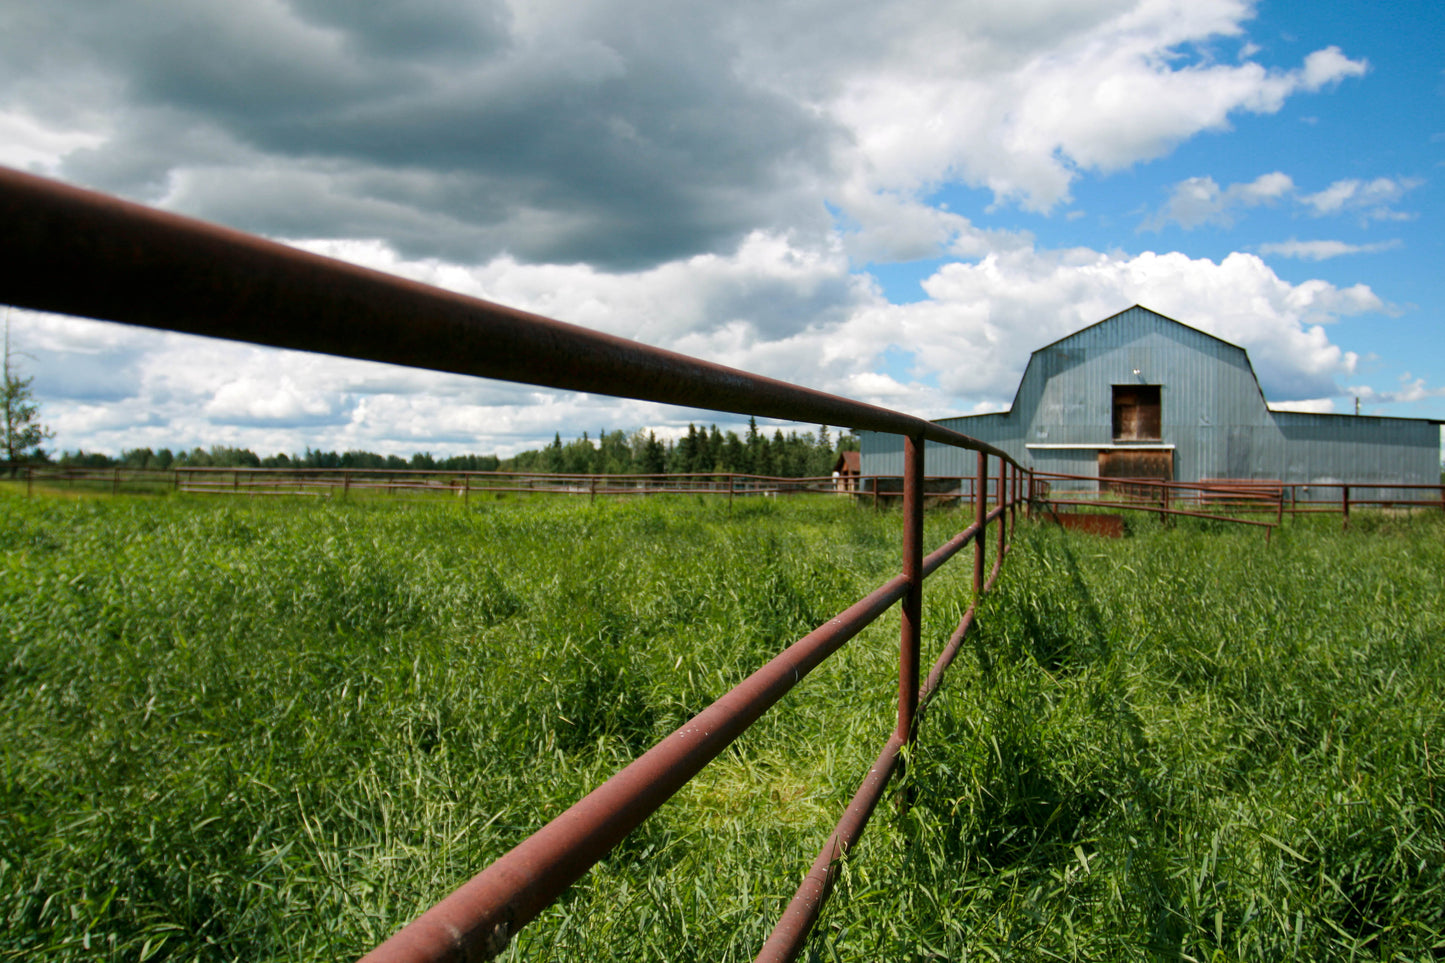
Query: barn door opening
[[1152, 464], [1137, 413]]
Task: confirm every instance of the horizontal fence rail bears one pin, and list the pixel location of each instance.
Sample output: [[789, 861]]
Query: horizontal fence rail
[[75, 252], [1225, 499], [1228, 499], [462, 484]]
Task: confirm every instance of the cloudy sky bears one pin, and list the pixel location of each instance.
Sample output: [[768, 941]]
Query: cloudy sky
[[895, 202]]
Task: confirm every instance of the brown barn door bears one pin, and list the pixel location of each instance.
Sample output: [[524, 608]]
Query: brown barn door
[[1126, 463], [1138, 413]]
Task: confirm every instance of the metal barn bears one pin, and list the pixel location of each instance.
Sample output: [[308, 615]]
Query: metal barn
[[1139, 395]]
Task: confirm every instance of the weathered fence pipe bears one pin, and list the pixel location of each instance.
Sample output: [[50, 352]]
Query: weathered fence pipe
[[76, 252], [911, 619]]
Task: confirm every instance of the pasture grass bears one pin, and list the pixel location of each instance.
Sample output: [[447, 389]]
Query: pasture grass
[[1183, 745], [280, 729]]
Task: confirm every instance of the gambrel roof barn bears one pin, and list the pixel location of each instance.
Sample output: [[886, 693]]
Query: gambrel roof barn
[[1142, 395]]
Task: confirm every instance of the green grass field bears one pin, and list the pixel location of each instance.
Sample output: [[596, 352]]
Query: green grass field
[[280, 729]]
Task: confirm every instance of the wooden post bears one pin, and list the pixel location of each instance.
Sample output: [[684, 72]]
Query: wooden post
[[115, 482], [1347, 508], [466, 489]]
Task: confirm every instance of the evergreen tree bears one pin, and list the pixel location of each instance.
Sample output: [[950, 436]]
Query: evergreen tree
[[735, 454], [716, 455], [654, 456]]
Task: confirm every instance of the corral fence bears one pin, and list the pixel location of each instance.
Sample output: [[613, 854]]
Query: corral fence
[[1234, 499], [75, 252], [1222, 498], [331, 482]]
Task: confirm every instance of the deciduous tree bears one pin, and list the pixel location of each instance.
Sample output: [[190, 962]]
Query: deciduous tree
[[23, 430]]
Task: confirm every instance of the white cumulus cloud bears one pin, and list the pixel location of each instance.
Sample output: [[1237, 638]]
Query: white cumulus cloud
[[1372, 199], [1200, 200], [982, 320]]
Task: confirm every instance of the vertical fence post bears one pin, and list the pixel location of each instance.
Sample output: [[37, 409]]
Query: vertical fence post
[[731, 486], [912, 611], [1007, 498], [999, 501], [115, 482], [1013, 496], [345, 483], [1347, 507], [1164, 503], [980, 510], [466, 489]]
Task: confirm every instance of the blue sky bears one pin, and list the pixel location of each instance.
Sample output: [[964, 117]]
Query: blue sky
[[896, 204]]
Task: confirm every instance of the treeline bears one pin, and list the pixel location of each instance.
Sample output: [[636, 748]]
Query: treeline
[[222, 456], [794, 455]]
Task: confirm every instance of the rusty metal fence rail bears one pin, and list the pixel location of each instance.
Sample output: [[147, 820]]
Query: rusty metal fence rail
[[1229, 499], [76, 252], [1210, 498]]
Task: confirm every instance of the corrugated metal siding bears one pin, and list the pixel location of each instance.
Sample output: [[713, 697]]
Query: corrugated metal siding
[[1328, 449], [1213, 414]]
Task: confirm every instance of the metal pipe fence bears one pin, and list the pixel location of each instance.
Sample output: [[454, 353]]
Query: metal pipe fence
[[1228, 499], [75, 252], [329, 482]]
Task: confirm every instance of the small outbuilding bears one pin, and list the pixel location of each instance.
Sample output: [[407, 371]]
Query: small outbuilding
[[846, 470], [1140, 395]]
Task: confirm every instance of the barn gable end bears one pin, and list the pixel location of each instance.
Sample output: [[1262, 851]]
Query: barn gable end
[[1142, 394]]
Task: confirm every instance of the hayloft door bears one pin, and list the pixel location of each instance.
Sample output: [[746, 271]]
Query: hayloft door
[[1138, 413]]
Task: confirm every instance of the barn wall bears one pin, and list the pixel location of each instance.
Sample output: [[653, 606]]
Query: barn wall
[[1213, 415]]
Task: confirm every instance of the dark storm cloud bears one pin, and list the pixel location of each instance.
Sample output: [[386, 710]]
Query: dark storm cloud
[[618, 136]]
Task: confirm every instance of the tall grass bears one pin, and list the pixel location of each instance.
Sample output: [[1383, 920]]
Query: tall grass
[[280, 730], [1184, 745], [247, 731]]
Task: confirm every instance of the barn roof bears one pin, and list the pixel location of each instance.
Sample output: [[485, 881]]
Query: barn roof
[[1137, 307]]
